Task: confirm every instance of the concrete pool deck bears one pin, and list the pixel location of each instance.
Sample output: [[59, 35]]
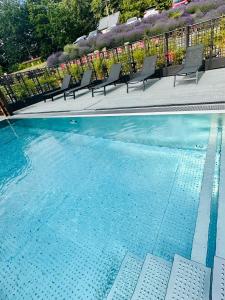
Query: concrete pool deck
[[2, 118], [159, 96]]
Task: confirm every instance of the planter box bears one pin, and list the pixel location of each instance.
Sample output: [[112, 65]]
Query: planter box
[[24, 103], [215, 63], [3, 105], [171, 70]]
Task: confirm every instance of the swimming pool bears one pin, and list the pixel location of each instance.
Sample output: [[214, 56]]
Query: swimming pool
[[77, 194]]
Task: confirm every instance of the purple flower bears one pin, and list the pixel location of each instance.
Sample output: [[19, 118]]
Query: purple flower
[[221, 10], [196, 11], [53, 59]]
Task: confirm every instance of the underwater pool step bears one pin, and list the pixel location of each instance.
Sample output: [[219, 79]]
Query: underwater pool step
[[188, 280], [153, 279], [126, 279], [218, 283]]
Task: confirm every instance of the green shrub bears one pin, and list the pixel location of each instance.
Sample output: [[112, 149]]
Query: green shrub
[[98, 65], [49, 80], [175, 14], [206, 7], [110, 61], [24, 89], [156, 47], [220, 36], [139, 55], [30, 84], [177, 55], [201, 6], [29, 87], [14, 68], [20, 91], [75, 71], [124, 60], [72, 51], [29, 64]]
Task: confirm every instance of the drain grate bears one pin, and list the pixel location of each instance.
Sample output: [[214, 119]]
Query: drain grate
[[189, 280], [153, 280], [166, 108], [218, 285], [122, 110], [126, 279]]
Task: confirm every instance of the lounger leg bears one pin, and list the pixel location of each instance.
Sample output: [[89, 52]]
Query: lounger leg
[[104, 91], [174, 82], [52, 98], [64, 96], [92, 92], [74, 96], [197, 77], [143, 85], [127, 88]]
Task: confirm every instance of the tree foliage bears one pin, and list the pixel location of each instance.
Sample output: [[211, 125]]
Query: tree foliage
[[40, 14], [40, 27], [17, 41], [101, 8], [128, 8], [162, 5], [58, 23], [31, 28], [132, 8]]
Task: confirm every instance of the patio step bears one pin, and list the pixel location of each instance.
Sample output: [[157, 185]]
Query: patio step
[[188, 280], [153, 279], [218, 284], [126, 279]]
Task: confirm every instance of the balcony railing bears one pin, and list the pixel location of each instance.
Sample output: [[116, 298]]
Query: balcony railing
[[25, 88]]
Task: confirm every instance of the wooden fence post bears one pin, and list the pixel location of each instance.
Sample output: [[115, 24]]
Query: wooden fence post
[[3, 105], [211, 43], [187, 36], [7, 82], [166, 51], [128, 50]]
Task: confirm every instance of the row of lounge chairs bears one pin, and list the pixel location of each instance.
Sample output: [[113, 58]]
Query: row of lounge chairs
[[193, 63]]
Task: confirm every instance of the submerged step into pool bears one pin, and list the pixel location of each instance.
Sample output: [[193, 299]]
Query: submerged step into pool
[[78, 194]]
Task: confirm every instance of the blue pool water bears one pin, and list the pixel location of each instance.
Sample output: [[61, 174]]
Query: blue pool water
[[77, 194]]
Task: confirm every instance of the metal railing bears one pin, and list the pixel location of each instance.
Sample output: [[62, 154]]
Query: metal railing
[[28, 87]]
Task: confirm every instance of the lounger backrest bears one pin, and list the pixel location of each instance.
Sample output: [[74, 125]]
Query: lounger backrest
[[66, 82], [86, 79], [194, 56], [114, 73], [149, 65]]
